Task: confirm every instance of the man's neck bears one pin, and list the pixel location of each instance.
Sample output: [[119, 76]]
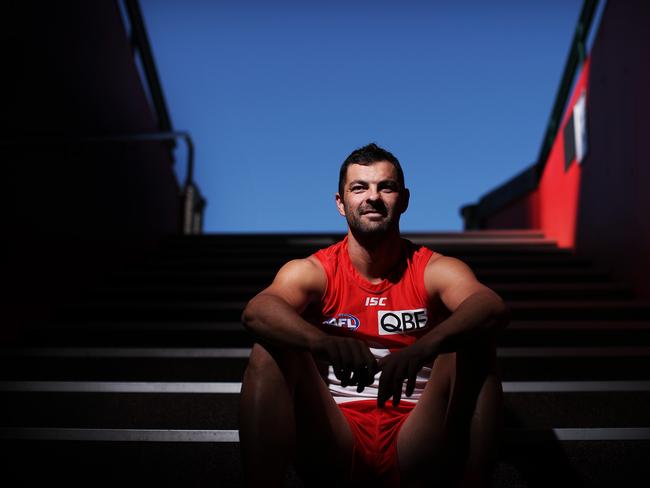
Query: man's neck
[[375, 259]]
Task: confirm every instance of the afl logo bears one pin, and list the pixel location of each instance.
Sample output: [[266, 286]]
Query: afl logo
[[344, 320]]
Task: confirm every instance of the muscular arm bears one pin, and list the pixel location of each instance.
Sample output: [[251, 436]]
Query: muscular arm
[[477, 312], [274, 316]]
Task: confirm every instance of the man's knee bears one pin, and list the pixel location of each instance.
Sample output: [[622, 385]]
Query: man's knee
[[260, 361], [262, 369], [476, 386], [268, 363]]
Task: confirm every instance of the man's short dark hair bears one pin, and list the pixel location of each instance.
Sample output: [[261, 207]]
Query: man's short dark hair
[[366, 156]]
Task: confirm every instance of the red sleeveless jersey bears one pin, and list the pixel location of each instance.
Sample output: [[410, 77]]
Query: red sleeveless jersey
[[387, 315]]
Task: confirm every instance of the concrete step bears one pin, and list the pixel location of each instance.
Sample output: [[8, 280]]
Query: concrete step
[[564, 291], [111, 410], [258, 278], [602, 310], [219, 364], [508, 291], [433, 241], [125, 333], [232, 310], [145, 405], [292, 252], [265, 262], [142, 405], [552, 333], [301, 237], [549, 333], [523, 464]]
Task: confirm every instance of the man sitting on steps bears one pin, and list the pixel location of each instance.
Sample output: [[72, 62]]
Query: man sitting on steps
[[379, 312]]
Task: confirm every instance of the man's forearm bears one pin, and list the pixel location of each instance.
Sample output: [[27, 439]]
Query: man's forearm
[[479, 316], [273, 320]]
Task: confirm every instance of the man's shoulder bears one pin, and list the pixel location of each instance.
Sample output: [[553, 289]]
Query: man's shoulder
[[302, 266], [439, 262], [304, 274], [442, 271]]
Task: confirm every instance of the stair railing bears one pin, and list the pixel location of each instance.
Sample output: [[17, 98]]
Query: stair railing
[[193, 204]]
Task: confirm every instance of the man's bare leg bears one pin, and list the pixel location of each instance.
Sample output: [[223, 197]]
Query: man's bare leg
[[266, 421], [451, 436], [476, 407], [286, 411]]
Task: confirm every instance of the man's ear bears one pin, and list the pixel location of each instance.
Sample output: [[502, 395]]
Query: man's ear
[[405, 197], [340, 205]]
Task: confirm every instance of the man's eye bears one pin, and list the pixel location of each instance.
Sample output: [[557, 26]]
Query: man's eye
[[356, 188]]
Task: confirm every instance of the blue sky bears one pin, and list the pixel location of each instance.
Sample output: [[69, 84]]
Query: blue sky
[[277, 94]]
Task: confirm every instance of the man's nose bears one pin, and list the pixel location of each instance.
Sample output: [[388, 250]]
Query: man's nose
[[373, 194]]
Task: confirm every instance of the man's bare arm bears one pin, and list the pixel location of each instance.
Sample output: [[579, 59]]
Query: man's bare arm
[[477, 312], [274, 317], [274, 314]]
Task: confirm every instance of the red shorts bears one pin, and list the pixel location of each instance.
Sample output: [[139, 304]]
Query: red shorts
[[374, 454]]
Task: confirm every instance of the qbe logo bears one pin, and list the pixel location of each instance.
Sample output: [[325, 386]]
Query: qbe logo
[[401, 321], [344, 320]]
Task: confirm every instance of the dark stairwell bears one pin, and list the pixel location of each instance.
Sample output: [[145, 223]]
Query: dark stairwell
[[139, 381]]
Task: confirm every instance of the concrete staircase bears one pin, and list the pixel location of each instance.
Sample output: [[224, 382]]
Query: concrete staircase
[[139, 383]]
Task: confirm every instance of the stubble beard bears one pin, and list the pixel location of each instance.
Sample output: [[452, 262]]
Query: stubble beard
[[369, 231]]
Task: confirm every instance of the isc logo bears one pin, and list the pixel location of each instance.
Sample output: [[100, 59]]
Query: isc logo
[[401, 321], [344, 320], [374, 301]]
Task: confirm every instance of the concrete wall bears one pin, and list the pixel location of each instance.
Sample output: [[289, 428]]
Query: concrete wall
[[70, 72], [613, 224]]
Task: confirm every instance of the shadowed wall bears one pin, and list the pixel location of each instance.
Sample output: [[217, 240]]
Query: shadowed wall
[[70, 209]]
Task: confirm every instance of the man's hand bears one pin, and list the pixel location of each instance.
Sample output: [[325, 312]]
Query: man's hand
[[401, 365], [348, 356]]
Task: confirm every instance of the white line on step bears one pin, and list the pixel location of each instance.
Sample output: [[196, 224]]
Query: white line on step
[[573, 386], [518, 352], [235, 388], [123, 435], [120, 387], [131, 352], [218, 436]]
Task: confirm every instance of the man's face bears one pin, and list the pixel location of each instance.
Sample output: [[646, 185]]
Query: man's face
[[372, 199]]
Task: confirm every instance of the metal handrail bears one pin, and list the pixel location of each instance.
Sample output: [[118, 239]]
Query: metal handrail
[[140, 41], [193, 202], [577, 55]]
